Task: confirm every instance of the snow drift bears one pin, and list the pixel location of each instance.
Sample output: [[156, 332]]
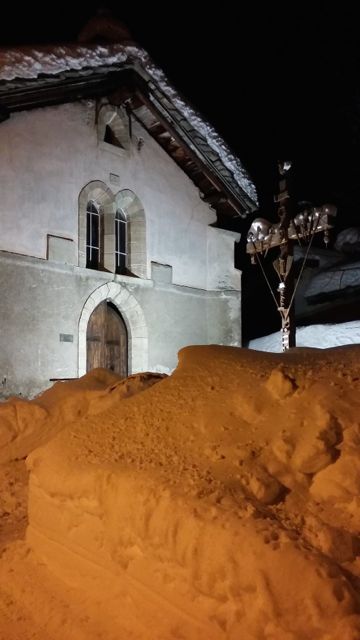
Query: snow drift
[[230, 490], [25, 424]]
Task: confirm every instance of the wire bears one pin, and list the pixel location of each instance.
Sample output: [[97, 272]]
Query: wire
[[313, 231], [265, 276], [302, 268]]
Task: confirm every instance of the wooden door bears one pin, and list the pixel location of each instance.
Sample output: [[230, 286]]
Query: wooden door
[[106, 340]]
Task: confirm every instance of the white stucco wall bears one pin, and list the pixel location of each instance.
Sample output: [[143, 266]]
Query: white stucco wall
[[46, 307], [221, 273], [49, 155]]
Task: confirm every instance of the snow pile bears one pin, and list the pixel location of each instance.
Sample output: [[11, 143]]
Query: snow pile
[[317, 336], [25, 424], [13, 501], [32, 62], [229, 493]]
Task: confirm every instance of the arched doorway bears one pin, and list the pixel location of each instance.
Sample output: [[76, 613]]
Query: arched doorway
[[106, 340], [132, 314]]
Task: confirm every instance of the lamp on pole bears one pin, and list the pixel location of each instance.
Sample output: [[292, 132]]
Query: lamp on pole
[[264, 235]]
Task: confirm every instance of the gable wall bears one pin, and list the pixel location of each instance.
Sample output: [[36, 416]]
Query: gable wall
[[48, 156]]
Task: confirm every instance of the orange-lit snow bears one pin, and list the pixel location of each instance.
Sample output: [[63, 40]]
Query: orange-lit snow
[[220, 502]]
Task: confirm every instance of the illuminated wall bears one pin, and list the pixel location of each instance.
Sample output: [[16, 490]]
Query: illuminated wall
[[188, 289]]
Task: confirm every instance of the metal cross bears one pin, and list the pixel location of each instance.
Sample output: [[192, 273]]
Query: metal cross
[[264, 235]]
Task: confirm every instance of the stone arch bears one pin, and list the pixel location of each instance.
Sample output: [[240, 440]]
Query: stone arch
[[129, 202], [118, 122], [104, 197], [133, 316]]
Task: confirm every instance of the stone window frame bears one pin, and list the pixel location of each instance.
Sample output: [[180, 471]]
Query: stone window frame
[[109, 203], [99, 193], [131, 205], [117, 119]]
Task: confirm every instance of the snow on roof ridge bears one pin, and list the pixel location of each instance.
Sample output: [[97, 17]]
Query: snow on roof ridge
[[215, 141], [31, 62]]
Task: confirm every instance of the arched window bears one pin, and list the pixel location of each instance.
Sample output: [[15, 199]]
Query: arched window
[[93, 235], [120, 241], [96, 227]]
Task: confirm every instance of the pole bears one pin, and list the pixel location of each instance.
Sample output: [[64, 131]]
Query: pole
[[284, 264]]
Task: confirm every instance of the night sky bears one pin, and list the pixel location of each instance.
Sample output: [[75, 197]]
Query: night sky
[[277, 81]]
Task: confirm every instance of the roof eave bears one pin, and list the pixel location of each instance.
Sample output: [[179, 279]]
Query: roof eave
[[69, 86]]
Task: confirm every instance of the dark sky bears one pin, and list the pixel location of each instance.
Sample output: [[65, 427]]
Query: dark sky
[[277, 80]]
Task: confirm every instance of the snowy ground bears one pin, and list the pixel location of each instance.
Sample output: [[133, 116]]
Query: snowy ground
[[318, 336], [221, 502]]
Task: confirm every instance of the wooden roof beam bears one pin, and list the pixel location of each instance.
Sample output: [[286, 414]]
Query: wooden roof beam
[[215, 181]]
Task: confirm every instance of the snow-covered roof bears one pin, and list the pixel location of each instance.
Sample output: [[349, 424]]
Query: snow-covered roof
[[31, 62], [334, 281], [35, 63]]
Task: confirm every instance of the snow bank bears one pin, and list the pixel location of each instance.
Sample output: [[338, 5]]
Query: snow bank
[[230, 490], [25, 424], [318, 336], [13, 502]]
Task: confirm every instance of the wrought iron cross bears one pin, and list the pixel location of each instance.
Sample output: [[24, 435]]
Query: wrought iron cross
[[284, 263], [263, 235]]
